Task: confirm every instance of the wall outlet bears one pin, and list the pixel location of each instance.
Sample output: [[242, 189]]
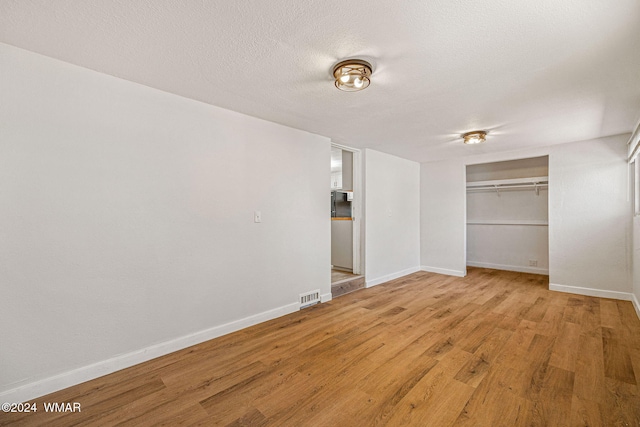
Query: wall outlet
[[257, 216], [533, 263]]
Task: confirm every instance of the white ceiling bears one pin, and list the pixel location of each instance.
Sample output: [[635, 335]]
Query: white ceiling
[[531, 72]]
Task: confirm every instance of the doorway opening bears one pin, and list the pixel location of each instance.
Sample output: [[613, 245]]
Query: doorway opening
[[508, 215], [346, 220]]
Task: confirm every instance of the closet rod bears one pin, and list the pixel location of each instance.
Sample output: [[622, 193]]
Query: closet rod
[[497, 187], [506, 187]]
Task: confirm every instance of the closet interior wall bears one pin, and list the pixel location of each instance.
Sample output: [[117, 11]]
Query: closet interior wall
[[507, 228]]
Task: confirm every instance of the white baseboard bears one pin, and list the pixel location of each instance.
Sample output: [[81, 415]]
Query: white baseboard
[[27, 391], [388, 277], [518, 268], [591, 292], [325, 297], [445, 271], [636, 304]]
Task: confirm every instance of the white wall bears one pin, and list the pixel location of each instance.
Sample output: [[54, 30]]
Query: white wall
[[508, 229], [508, 247], [127, 222], [442, 217], [633, 144], [392, 211], [636, 264], [589, 214], [522, 168]]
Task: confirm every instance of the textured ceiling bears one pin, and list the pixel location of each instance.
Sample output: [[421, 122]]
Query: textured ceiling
[[531, 72]]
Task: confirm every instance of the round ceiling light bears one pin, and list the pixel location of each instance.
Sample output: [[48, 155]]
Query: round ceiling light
[[475, 137], [352, 75]]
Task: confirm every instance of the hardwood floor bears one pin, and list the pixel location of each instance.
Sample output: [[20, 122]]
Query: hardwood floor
[[492, 349]]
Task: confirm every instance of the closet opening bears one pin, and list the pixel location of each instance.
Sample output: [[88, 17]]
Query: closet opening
[[508, 215]]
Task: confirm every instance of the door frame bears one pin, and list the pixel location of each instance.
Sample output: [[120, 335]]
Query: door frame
[[357, 207]]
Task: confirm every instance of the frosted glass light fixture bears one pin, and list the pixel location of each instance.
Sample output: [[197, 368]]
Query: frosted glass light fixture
[[475, 137], [352, 75]]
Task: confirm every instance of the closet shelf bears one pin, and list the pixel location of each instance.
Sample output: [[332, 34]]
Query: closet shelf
[[507, 222], [533, 183]]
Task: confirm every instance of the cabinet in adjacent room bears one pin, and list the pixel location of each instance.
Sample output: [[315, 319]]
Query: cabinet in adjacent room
[[336, 180], [341, 169], [342, 244]]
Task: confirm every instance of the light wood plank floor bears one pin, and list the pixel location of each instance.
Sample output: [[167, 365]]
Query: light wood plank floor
[[492, 349]]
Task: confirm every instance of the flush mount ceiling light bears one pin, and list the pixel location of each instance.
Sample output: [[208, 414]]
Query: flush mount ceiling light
[[475, 137], [352, 75]]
